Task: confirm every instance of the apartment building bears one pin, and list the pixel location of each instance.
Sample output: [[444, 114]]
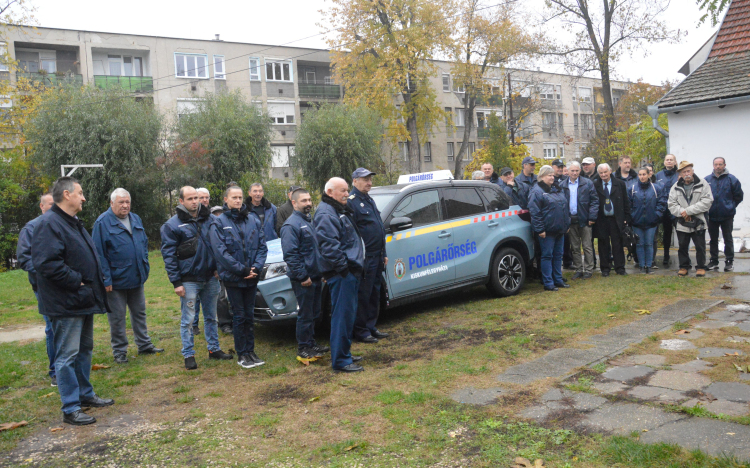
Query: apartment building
[[288, 81]]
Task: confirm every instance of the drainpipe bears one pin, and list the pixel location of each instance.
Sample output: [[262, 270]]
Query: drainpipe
[[653, 111]]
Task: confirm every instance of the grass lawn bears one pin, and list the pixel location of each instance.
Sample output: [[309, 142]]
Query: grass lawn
[[396, 413]]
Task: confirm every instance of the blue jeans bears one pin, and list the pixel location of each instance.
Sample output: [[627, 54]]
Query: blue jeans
[[242, 301], [50, 339], [74, 344], [645, 246], [552, 252], [368, 301], [208, 291], [343, 313], [197, 311], [308, 300]]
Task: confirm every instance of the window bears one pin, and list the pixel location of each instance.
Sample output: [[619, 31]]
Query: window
[[521, 89], [281, 156], [458, 88], [186, 106], [587, 121], [28, 61], [470, 151], [550, 150], [460, 202], [328, 80], [449, 117], [497, 200], [450, 151], [422, 208], [254, 69], [560, 122], [446, 83], [403, 148], [115, 65], [460, 116], [427, 152], [575, 121], [483, 117], [120, 65], [278, 70], [191, 65], [3, 56], [549, 120], [310, 76], [50, 66], [550, 92], [282, 113], [219, 72], [584, 94]]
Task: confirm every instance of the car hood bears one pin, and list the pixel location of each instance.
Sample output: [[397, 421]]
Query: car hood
[[275, 254]]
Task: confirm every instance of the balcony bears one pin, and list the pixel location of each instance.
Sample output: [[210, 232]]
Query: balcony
[[319, 89], [133, 84], [483, 132], [47, 80], [492, 100]]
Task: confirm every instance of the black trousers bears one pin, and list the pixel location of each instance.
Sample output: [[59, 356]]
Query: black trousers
[[726, 231], [567, 254], [608, 232], [368, 298], [667, 226], [699, 241]]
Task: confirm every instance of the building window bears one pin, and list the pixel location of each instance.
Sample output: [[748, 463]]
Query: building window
[[254, 69], [560, 122], [460, 117], [449, 116], [219, 72], [279, 70], [450, 151], [328, 80], [191, 65], [281, 156], [587, 121], [584, 94], [469, 151], [575, 121], [3, 56], [427, 152], [458, 88], [446, 83], [521, 89], [120, 65], [186, 106], [282, 113], [550, 150], [483, 117], [403, 148], [550, 92], [549, 121]]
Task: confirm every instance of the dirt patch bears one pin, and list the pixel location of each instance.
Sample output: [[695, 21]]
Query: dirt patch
[[279, 392]]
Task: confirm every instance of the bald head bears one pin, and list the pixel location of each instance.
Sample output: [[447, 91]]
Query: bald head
[[189, 199], [338, 189]]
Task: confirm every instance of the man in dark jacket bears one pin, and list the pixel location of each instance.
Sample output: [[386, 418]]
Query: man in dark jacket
[[527, 175], [614, 215], [518, 193], [303, 269], [263, 209], [489, 174], [558, 165], [588, 170], [727, 192], [71, 291], [370, 226], [23, 254], [191, 269], [625, 172], [342, 260], [285, 211], [122, 246], [584, 209], [667, 177]]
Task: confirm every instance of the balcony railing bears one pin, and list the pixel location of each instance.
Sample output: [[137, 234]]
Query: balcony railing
[[492, 100], [319, 89], [134, 84], [483, 132], [38, 79]]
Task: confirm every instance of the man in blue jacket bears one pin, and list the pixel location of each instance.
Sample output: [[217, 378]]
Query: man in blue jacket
[[584, 209], [123, 254], [71, 291], [263, 209], [23, 254], [527, 172], [302, 258], [191, 269], [727, 192], [667, 177], [518, 193], [342, 260]]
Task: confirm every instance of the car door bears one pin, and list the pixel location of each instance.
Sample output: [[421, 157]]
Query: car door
[[465, 209], [418, 257]]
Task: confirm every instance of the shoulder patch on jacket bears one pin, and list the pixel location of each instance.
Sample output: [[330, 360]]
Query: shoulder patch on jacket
[[352, 196]]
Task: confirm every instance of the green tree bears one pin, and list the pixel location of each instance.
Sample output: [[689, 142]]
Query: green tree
[[497, 150], [235, 133], [334, 140], [713, 10]]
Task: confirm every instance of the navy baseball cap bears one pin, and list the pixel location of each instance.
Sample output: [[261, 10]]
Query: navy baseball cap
[[528, 160], [361, 172], [505, 170], [558, 162]]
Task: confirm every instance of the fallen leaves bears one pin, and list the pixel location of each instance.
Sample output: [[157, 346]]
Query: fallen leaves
[[48, 395], [726, 286], [732, 354], [99, 367], [351, 447], [643, 312], [682, 332], [56, 429], [12, 425], [313, 399], [524, 463]]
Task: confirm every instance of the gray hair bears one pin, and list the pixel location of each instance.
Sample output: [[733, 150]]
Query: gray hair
[[256, 184], [332, 181], [204, 190], [603, 165], [574, 164], [45, 194], [545, 170], [478, 175], [61, 185], [118, 192]]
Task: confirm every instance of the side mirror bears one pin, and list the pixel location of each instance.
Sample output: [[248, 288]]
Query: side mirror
[[399, 224]]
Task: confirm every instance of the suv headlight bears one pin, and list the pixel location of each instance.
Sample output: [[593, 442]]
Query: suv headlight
[[272, 270]]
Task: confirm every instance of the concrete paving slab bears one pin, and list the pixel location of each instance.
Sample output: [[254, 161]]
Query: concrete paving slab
[[624, 418], [729, 315], [744, 326], [740, 286], [11, 334], [732, 391], [678, 380], [717, 352], [712, 436], [647, 392], [693, 335], [739, 308], [477, 396], [676, 345], [739, 339], [577, 401], [744, 376], [715, 324], [730, 408], [623, 374], [696, 365], [653, 360], [610, 388]]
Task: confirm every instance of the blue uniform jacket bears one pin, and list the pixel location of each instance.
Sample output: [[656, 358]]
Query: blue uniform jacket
[[667, 178], [238, 244], [530, 181], [550, 212], [269, 222], [630, 180], [519, 193], [369, 223], [182, 228], [123, 256], [23, 250], [68, 274], [588, 200], [341, 246], [727, 192], [300, 248], [647, 204]]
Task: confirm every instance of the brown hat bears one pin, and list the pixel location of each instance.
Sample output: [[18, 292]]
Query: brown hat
[[684, 165]]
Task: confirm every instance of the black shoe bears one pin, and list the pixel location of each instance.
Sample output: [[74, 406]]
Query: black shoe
[[562, 285], [622, 273], [605, 274], [308, 354], [53, 381], [321, 349], [356, 358], [577, 275], [221, 355], [256, 360], [78, 418], [350, 368], [367, 339], [121, 359], [587, 276], [190, 363], [226, 329], [550, 289], [379, 334], [152, 350], [654, 267], [642, 270], [648, 271], [728, 266], [665, 262], [97, 402], [246, 362], [196, 331]]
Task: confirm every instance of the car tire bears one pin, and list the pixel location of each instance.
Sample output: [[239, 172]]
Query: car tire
[[507, 273]]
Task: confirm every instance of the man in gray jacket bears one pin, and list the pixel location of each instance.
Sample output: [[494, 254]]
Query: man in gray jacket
[[689, 201]]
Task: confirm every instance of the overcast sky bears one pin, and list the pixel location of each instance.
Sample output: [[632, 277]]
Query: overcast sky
[[292, 22]]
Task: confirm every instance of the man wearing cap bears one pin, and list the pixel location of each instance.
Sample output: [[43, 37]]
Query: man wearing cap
[[370, 226], [527, 175], [689, 201], [285, 211], [559, 167], [518, 193], [588, 169]]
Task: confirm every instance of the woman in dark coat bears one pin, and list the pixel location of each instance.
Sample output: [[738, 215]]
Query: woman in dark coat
[[647, 204]]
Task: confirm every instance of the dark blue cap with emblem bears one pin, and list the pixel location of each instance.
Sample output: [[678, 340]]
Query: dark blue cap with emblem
[[528, 160], [361, 172]]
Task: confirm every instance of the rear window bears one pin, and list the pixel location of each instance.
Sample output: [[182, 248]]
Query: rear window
[[496, 199], [461, 202]]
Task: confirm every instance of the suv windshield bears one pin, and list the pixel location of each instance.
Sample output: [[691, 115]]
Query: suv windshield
[[382, 199]]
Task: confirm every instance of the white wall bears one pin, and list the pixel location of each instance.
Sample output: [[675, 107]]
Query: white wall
[[700, 135]]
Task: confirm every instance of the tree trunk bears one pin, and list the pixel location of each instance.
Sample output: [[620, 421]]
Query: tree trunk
[[509, 119], [415, 159], [471, 103], [609, 108]]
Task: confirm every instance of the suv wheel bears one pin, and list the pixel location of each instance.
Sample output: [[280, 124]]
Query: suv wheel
[[508, 272]]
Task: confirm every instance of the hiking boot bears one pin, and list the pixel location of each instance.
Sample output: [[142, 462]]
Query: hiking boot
[[321, 349], [151, 350], [258, 361], [245, 362], [121, 359], [700, 273], [713, 265], [728, 266], [221, 355], [190, 363], [682, 272]]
